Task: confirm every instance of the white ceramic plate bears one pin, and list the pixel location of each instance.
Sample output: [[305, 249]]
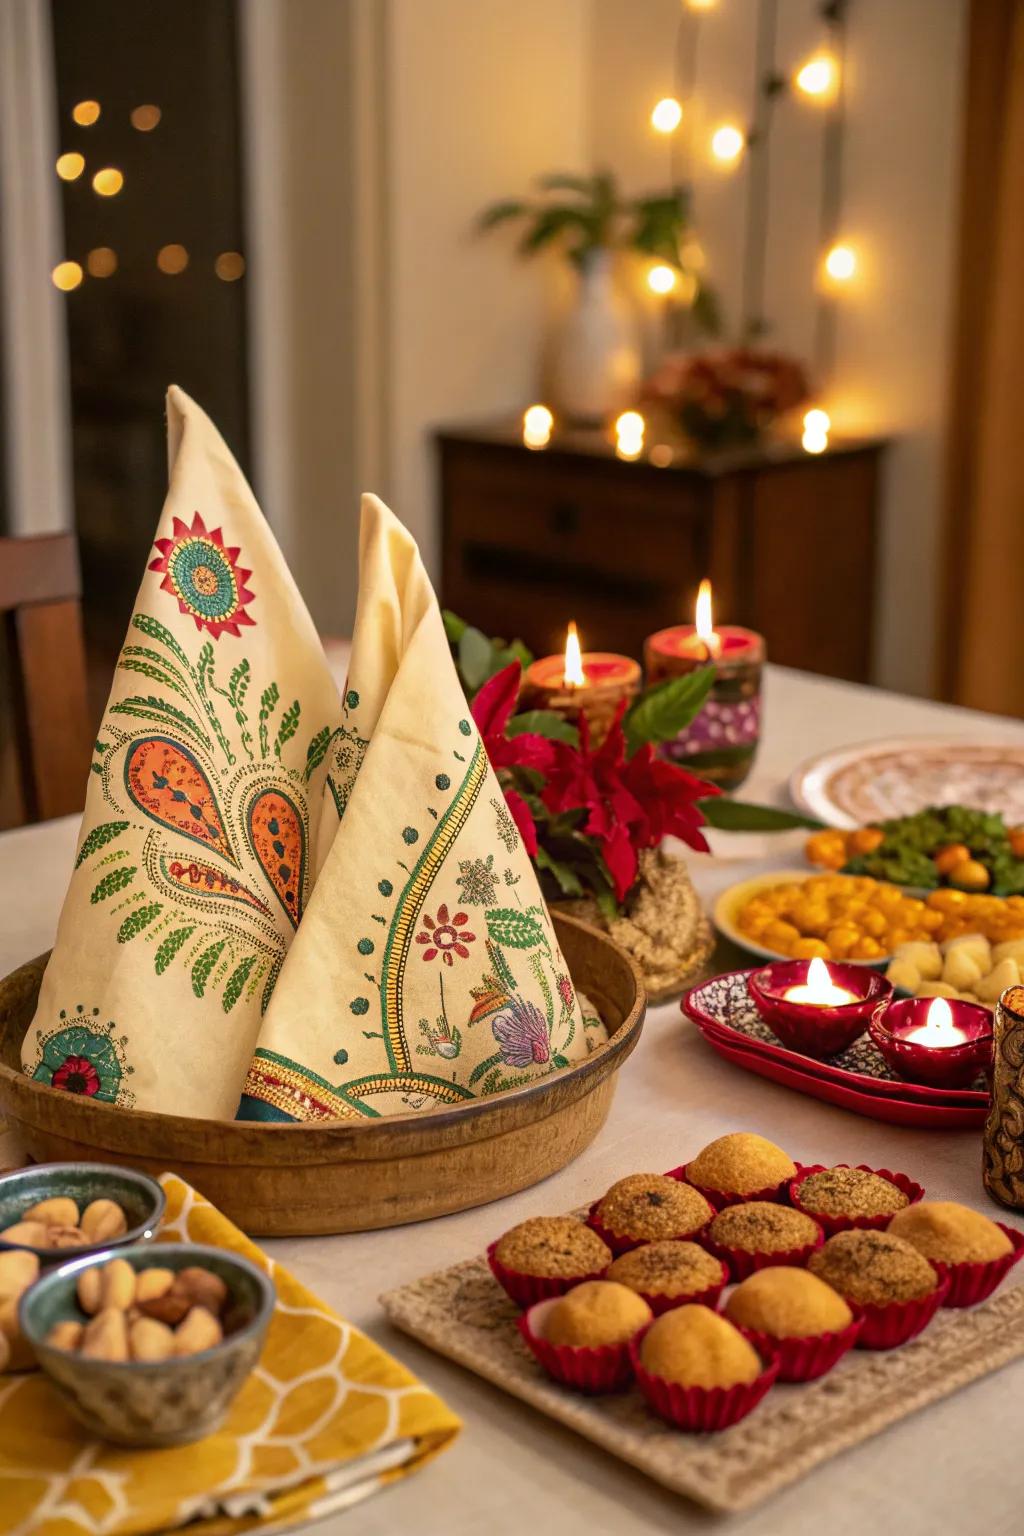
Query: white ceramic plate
[[878, 780], [732, 901]]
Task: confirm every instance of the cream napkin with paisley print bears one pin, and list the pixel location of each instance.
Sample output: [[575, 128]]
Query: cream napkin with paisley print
[[209, 786], [425, 971]]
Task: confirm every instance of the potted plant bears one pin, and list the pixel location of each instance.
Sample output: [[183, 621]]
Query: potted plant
[[597, 366]]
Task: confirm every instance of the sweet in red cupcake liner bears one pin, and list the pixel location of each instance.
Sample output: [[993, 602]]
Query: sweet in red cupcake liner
[[886, 1327], [740, 1263], [805, 1359], [832, 1224], [525, 1290], [619, 1244], [971, 1283], [608, 1368], [777, 1194], [700, 1410], [659, 1302]]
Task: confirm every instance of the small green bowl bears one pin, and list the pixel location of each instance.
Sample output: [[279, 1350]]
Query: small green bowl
[[138, 1195], [151, 1403]]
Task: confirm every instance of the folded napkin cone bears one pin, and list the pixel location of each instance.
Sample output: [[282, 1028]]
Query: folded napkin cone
[[319, 904]]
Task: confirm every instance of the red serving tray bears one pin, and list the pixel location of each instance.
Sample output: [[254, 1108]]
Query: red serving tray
[[893, 1111]]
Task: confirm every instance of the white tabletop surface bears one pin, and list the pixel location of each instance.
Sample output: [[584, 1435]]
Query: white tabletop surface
[[955, 1467]]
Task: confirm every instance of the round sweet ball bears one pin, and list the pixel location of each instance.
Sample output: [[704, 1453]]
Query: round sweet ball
[[787, 1304], [649, 1206], [553, 1247], [851, 1192], [595, 1313], [740, 1164], [873, 1268], [758, 1226], [695, 1347], [667, 1269], [950, 1233]]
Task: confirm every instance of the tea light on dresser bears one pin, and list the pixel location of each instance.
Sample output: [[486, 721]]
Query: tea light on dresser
[[721, 742], [590, 683]]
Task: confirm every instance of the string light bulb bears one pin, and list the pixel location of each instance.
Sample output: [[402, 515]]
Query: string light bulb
[[145, 118], [819, 77], [108, 182], [661, 279], [172, 259], [666, 115], [70, 166], [727, 143], [817, 420], [700, 5], [814, 440], [66, 275], [629, 435], [85, 113], [101, 261], [537, 424], [841, 263]]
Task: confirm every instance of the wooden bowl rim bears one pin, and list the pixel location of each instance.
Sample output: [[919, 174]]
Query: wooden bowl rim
[[420, 1127]]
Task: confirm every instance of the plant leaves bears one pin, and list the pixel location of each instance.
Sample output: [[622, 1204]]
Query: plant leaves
[[661, 712], [204, 965], [514, 929], [568, 880], [317, 750], [498, 213], [113, 882], [453, 626], [170, 946], [739, 816], [98, 838], [289, 725], [543, 722], [476, 657], [235, 982], [136, 921]]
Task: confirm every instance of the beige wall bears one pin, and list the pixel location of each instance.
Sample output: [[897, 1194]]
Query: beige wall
[[904, 82]]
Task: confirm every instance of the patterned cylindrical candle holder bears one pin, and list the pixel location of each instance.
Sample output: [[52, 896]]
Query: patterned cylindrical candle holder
[[1003, 1164], [607, 679], [720, 744]]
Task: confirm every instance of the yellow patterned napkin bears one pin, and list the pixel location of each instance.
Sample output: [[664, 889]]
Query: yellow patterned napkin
[[326, 1419], [426, 971]]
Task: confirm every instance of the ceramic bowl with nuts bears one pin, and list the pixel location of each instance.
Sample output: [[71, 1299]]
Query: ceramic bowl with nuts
[[149, 1345], [60, 1211]]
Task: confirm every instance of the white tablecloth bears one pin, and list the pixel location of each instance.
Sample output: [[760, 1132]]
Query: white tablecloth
[[957, 1467]]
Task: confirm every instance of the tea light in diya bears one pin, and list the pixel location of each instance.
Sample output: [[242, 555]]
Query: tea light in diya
[[815, 1007], [721, 742], [591, 683], [943, 1042]]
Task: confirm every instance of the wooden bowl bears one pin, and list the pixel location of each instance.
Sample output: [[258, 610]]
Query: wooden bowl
[[289, 1180]]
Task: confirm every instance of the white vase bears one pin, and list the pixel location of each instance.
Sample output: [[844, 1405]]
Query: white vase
[[596, 364]]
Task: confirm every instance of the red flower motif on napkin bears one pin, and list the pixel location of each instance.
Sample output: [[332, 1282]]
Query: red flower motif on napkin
[[77, 1075], [446, 936], [203, 573]]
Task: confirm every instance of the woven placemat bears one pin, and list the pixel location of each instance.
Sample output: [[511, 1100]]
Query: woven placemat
[[462, 1313]]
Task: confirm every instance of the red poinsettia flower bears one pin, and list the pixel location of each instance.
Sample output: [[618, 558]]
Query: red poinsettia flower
[[203, 573], [492, 709], [77, 1074], [446, 936]]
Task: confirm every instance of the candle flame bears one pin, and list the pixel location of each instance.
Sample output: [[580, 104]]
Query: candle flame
[[704, 620], [939, 1023], [818, 978], [573, 675]]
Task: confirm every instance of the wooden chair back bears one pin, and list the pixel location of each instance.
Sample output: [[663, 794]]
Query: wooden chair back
[[41, 614]]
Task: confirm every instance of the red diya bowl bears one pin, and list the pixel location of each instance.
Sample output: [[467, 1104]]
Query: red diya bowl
[[806, 1027], [941, 1066]]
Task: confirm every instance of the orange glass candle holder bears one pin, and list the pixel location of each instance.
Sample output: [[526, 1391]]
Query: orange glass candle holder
[[607, 680]]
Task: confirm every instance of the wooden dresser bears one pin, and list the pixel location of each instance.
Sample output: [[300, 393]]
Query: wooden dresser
[[533, 538]]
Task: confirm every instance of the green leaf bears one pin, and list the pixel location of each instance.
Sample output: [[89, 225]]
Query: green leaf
[[661, 712], [271, 983], [136, 921], [484, 1066], [738, 816], [98, 838], [235, 982], [544, 722], [115, 881], [146, 707], [514, 929], [607, 905], [289, 725], [170, 946], [706, 311], [499, 213], [454, 627], [204, 965], [476, 655], [569, 882], [317, 750]]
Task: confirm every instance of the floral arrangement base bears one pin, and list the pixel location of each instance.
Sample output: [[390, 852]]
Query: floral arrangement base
[[663, 929]]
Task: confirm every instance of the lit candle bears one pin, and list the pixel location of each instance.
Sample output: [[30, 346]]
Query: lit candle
[[938, 1030], [721, 742], [819, 990], [591, 683]]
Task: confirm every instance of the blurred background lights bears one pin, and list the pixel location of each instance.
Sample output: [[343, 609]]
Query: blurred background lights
[[101, 262], [108, 182], [537, 424], [661, 279], [145, 118], [814, 441], [70, 166], [67, 275], [85, 113], [699, 5], [172, 259], [629, 435], [229, 266], [667, 115], [841, 263], [818, 77], [727, 143], [817, 420]]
